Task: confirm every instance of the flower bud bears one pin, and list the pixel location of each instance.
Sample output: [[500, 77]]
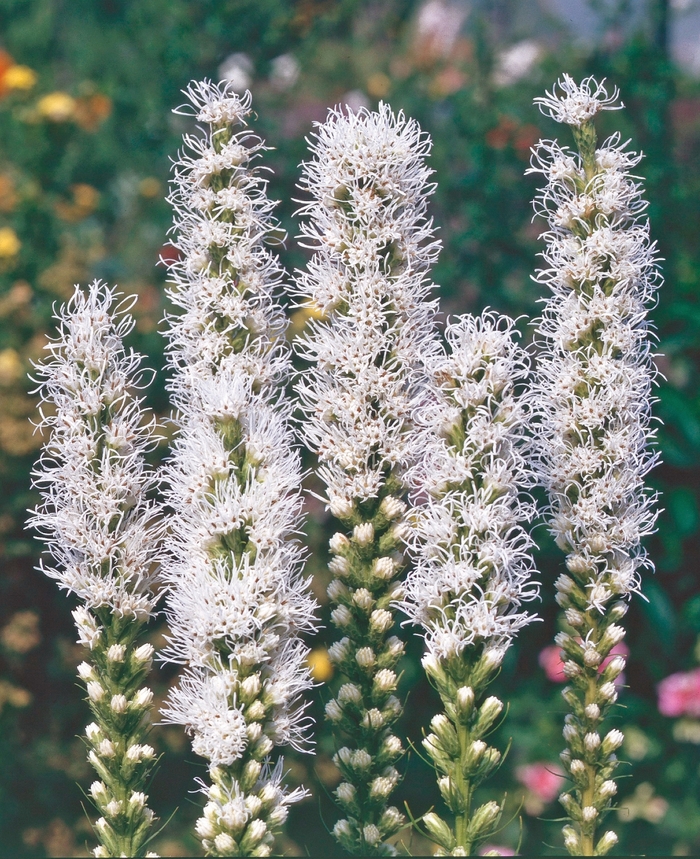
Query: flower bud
[[341, 508], [339, 566], [608, 692], [381, 787], [143, 698], [334, 712], [341, 615], [106, 749], [380, 621], [118, 704], [465, 700], [485, 817], [571, 841], [143, 653], [392, 507], [113, 808], [86, 671], [137, 800], [339, 650], [346, 793], [224, 843], [95, 691], [363, 534], [384, 568], [607, 789], [363, 599], [591, 657], [612, 742], [592, 711], [98, 791], [391, 819], [577, 767], [373, 719], [439, 830], [371, 834], [93, 732], [337, 590], [338, 543], [116, 652], [365, 657], [591, 741], [589, 813], [349, 692], [384, 680], [606, 843], [391, 746]]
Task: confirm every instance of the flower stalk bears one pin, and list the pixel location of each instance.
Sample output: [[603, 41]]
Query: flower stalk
[[367, 286], [594, 379], [104, 534], [472, 567], [237, 602]]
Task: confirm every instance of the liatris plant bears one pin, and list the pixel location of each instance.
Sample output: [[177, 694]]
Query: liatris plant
[[102, 531], [373, 246], [595, 375], [473, 567], [236, 601]]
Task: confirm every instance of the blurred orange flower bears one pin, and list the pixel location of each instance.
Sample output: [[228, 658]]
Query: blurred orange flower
[[56, 106], [91, 111]]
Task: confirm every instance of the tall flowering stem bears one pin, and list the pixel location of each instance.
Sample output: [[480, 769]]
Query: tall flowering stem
[[237, 602], [595, 375], [367, 281], [102, 532], [473, 568]]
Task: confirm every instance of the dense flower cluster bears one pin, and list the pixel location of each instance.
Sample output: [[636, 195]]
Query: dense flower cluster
[[237, 601], [103, 531], [367, 280], [473, 570], [595, 376]]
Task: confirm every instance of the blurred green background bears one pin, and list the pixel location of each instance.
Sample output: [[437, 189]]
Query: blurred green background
[[86, 134]]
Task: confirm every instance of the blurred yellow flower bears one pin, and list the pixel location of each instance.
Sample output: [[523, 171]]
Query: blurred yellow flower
[[378, 85], [21, 634], [56, 106], [9, 243], [320, 665], [19, 77], [85, 200], [149, 187], [10, 366], [13, 695]]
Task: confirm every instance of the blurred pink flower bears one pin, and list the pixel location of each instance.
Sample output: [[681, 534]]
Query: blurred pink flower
[[679, 694], [543, 779], [550, 660], [496, 850]]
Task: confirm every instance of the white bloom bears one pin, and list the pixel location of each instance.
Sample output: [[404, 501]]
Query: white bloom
[[595, 372], [575, 104], [96, 517], [473, 568], [373, 247], [237, 601]]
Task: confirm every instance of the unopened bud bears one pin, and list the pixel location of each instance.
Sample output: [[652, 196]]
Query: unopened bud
[[334, 712], [349, 692], [363, 534], [116, 652], [571, 840], [143, 698], [339, 566], [380, 621], [612, 742], [591, 741], [118, 704], [373, 719], [224, 843], [589, 813], [98, 791], [363, 599], [592, 711], [607, 789], [577, 767], [113, 808], [337, 590], [338, 543], [346, 793], [86, 671], [384, 568], [392, 507], [143, 653], [606, 843], [341, 616], [95, 691], [341, 508], [365, 657], [371, 834], [385, 680], [339, 650]]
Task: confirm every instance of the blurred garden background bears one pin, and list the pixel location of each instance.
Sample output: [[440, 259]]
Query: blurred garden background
[[86, 134]]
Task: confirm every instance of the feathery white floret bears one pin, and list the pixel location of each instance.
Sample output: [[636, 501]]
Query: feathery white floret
[[575, 103], [373, 246], [95, 516], [237, 601], [595, 372], [473, 566]]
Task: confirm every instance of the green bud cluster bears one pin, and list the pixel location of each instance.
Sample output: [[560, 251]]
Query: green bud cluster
[[590, 757], [120, 705], [458, 749], [366, 561]]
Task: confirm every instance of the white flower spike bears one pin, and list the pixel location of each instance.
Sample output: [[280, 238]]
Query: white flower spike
[[593, 396], [237, 602]]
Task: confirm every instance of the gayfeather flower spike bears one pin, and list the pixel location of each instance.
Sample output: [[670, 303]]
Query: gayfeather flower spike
[[473, 569], [367, 279], [237, 602], [103, 534], [593, 393]]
